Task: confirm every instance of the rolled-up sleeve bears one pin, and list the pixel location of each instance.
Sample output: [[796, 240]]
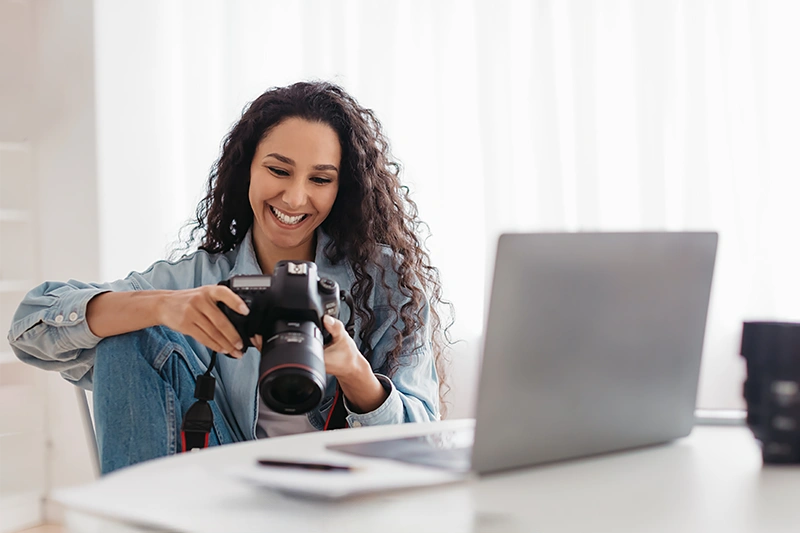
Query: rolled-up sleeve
[[413, 396], [49, 329], [413, 389]]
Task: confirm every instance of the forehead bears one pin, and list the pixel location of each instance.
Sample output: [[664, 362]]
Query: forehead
[[301, 139]]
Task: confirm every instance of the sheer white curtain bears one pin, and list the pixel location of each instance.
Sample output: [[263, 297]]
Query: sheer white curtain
[[507, 116]]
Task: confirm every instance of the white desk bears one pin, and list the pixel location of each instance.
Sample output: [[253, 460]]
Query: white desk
[[712, 481]]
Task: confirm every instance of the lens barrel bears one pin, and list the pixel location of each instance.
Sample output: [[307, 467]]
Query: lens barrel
[[772, 388], [292, 369]]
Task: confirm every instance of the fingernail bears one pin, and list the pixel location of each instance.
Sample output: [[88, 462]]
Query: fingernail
[[244, 310], [328, 320], [239, 345]]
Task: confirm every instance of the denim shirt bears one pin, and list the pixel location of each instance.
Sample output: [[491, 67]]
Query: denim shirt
[[50, 331]]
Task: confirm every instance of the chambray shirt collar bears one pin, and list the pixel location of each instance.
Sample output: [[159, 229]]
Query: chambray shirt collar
[[246, 263]]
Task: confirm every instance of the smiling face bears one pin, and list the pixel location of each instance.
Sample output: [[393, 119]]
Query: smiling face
[[294, 178]]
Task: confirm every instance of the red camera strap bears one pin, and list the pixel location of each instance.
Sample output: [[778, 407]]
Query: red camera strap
[[337, 416]]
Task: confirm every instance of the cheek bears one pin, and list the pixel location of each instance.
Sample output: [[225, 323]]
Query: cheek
[[258, 192], [252, 196]]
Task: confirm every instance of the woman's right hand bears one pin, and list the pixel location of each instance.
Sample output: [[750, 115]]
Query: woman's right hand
[[194, 312]]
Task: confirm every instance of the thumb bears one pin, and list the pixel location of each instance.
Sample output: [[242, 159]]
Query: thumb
[[333, 326]]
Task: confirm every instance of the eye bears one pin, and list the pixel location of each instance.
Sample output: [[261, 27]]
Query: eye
[[321, 180], [278, 171]]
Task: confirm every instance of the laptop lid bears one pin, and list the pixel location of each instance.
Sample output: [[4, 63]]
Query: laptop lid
[[593, 344]]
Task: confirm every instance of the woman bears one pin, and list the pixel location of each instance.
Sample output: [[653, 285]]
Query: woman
[[305, 174]]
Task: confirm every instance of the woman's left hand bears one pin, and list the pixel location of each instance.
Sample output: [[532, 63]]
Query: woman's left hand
[[342, 357], [362, 389]]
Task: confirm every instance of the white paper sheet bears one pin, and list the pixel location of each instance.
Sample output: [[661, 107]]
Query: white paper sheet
[[374, 476]]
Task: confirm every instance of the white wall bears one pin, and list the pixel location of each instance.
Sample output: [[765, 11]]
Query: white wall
[[23, 477], [47, 103], [144, 111], [66, 170]]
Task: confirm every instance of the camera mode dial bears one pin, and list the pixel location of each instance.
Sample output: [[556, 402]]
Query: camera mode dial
[[327, 286]]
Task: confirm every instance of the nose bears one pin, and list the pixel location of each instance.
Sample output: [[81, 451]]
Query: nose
[[294, 196]]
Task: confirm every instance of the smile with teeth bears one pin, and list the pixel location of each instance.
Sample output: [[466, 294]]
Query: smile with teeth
[[286, 219]]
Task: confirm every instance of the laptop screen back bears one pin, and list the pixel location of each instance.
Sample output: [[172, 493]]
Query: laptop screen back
[[593, 344]]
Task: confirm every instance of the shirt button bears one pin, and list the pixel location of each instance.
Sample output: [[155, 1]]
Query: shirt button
[[60, 319], [356, 424], [73, 316]]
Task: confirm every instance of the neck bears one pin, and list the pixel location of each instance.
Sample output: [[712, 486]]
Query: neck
[[268, 255]]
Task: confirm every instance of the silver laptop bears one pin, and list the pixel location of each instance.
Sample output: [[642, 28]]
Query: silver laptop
[[592, 345]]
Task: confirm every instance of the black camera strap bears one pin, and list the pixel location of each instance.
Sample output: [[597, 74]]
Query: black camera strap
[[198, 420]]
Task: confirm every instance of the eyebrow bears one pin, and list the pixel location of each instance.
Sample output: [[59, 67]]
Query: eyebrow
[[289, 161]]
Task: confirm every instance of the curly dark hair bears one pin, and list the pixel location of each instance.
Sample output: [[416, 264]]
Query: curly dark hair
[[372, 208]]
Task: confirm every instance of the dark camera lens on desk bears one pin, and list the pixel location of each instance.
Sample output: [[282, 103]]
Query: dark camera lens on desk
[[772, 388]]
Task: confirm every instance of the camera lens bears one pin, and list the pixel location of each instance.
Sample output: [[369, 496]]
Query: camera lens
[[772, 388], [292, 368]]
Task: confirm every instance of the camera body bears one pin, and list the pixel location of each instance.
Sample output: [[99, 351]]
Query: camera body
[[287, 309]]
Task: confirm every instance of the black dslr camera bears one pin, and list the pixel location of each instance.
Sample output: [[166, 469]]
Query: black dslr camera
[[287, 309]]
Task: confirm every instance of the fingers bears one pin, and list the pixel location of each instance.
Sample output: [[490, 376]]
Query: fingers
[[257, 341], [219, 322], [220, 339], [221, 293], [194, 312], [202, 336]]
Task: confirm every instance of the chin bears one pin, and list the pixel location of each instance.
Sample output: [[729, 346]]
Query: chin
[[283, 242]]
